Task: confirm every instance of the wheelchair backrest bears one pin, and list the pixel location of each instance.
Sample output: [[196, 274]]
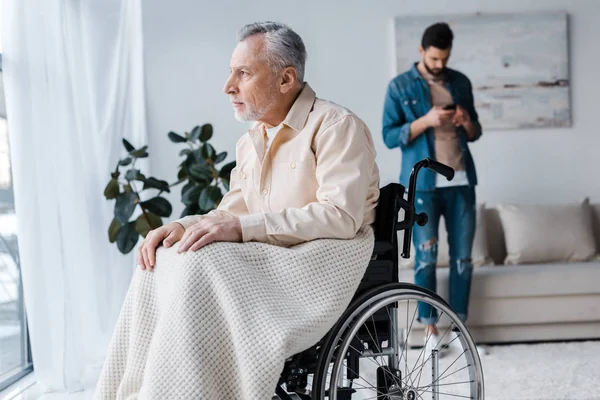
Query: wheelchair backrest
[[386, 212]]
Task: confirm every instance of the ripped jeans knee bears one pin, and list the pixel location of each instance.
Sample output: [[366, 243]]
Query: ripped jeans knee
[[464, 267], [426, 257]]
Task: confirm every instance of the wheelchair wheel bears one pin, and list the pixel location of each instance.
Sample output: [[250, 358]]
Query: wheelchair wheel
[[377, 351]]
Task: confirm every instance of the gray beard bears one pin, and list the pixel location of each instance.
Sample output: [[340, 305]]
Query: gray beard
[[254, 115]]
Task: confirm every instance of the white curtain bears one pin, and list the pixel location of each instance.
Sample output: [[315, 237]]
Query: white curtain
[[73, 78]]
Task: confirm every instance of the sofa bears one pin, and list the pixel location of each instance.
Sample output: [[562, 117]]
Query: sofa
[[536, 274]]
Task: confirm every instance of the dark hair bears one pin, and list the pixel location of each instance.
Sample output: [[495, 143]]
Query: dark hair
[[438, 35]]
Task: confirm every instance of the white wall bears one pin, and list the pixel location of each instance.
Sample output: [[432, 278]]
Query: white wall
[[350, 61]]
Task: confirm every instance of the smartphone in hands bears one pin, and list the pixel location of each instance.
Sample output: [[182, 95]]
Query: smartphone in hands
[[449, 107]]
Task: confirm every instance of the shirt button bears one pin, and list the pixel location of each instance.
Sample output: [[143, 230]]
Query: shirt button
[[265, 191], [243, 175], [293, 165]]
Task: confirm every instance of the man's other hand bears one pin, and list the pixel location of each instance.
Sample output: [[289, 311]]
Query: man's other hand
[[222, 228], [461, 117], [166, 235], [437, 116]]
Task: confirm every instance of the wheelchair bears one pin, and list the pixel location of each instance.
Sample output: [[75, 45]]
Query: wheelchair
[[376, 349]]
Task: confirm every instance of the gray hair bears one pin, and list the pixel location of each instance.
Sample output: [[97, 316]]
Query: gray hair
[[284, 47]]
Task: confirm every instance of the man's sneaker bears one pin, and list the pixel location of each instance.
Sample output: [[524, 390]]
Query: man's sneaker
[[454, 342], [433, 342], [455, 345]]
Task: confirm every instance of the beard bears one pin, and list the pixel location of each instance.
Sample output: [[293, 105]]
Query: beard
[[255, 113], [434, 72]]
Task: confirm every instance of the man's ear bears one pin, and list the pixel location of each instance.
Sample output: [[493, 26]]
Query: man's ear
[[421, 51], [289, 79]]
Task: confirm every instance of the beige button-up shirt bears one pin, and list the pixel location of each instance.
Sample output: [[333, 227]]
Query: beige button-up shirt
[[317, 179]]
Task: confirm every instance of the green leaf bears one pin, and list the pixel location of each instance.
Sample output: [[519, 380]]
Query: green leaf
[[113, 229], [124, 206], [175, 138], [125, 162], [201, 172], [207, 132], [182, 174], [128, 146], [159, 206], [186, 187], [198, 157], [154, 183], [194, 158], [225, 184], [209, 198], [140, 153], [208, 152], [191, 209], [195, 134], [140, 177], [226, 169], [185, 152], [112, 189], [142, 226], [127, 238], [191, 194], [132, 174], [221, 157]]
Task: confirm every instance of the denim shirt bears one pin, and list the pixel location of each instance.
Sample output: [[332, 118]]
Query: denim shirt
[[408, 98]]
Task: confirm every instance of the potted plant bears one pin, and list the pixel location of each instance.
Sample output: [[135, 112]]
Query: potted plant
[[204, 184]]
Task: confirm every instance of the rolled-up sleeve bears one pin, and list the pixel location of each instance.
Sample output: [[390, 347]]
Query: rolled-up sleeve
[[345, 165], [396, 130], [470, 106]]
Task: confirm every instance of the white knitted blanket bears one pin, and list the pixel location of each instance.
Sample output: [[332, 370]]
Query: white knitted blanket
[[220, 323]]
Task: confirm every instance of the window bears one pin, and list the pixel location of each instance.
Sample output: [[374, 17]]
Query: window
[[15, 358]]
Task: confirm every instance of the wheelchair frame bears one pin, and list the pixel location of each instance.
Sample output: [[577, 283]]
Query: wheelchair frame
[[381, 274]]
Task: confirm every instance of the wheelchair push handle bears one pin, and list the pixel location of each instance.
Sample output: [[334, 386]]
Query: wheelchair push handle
[[440, 168], [410, 215]]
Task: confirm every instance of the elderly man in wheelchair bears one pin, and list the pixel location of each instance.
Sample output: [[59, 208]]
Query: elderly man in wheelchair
[[290, 286]]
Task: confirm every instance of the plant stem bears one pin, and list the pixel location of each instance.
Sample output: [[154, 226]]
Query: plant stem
[[137, 194], [177, 183]]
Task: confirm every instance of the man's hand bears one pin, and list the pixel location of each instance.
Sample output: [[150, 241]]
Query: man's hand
[[166, 235], [222, 228], [461, 117], [438, 116]]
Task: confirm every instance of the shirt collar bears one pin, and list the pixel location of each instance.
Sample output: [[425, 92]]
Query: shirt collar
[[298, 114], [414, 72]]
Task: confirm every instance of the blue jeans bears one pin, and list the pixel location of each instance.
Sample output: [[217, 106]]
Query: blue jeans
[[457, 205]]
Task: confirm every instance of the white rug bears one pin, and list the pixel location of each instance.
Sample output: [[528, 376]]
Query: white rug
[[553, 371], [549, 371]]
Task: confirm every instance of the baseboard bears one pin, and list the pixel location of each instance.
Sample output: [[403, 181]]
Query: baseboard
[[523, 333]]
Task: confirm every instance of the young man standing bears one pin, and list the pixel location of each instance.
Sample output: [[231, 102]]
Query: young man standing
[[429, 112]]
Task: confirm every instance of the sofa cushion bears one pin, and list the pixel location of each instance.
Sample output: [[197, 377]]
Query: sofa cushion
[[480, 253], [547, 233], [537, 280]]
